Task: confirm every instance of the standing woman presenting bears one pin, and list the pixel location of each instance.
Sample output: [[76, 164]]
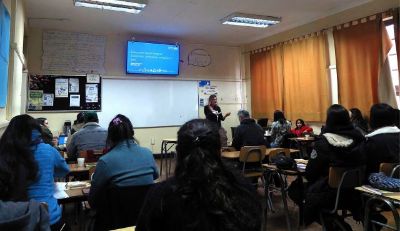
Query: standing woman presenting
[[213, 113]]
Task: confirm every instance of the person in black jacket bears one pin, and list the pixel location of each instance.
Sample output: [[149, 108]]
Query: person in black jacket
[[383, 143], [248, 133], [203, 194], [338, 146]]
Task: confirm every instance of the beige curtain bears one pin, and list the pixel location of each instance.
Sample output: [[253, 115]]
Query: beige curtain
[[357, 58], [266, 82], [386, 93], [306, 83]]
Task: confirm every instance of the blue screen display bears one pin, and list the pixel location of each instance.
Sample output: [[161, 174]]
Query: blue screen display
[[152, 58]]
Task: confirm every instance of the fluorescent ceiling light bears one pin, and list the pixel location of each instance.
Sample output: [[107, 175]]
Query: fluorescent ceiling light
[[241, 19], [129, 6]]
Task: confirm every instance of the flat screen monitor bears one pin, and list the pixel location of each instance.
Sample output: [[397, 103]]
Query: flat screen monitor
[[62, 140], [152, 58]]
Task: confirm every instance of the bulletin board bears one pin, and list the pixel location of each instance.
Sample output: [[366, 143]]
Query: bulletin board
[[64, 93]]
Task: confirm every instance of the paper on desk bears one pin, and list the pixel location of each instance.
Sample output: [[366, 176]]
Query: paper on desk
[[301, 166], [59, 190]]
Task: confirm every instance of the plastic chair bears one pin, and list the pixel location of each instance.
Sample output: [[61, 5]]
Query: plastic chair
[[341, 179]]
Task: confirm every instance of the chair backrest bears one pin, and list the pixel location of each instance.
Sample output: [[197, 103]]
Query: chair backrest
[[122, 207], [387, 168], [252, 154], [344, 178], [91, 155]]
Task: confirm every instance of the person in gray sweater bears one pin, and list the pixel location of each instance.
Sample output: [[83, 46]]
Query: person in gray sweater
[[91, 137]]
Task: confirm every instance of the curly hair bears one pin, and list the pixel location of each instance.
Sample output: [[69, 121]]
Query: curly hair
[[17, 164]]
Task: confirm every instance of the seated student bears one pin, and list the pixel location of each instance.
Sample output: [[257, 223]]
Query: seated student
[[126, 164], [78, 123], [47, 136], [33, 166], [279, 128], [338, 146], [383, 143], [358, 120], [203, 194], [301, 128], [91, 137], [248, 133]]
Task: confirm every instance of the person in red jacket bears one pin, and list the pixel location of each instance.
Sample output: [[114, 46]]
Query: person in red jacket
[[301, 128]]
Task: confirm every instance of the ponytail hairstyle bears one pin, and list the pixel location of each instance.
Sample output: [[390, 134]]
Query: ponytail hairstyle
[[205, 186], [17, 163], [119, 129]]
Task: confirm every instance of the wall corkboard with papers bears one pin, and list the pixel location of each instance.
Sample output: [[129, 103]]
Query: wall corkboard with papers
[[64, 93]]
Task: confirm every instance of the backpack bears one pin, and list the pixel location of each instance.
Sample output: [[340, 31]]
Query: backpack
[[381, 181], [283, 162]]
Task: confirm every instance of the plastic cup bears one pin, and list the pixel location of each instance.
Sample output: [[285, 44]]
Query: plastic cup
[[307, 137], [81, 162]]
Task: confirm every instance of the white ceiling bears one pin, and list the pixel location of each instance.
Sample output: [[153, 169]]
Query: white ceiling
[[192, 20]]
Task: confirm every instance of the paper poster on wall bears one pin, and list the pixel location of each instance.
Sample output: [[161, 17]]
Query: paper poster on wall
[[93, 78], [74, 85], [48, 100], [61, 88], [74, 100], [92, 93], [35, 99]]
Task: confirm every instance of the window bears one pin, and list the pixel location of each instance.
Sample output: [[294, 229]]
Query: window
[[393, 63], [4, 53]]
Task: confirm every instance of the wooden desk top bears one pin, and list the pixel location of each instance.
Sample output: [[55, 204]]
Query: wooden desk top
[[309, 139], [132, 228], [394, 196], [236, 154], [75, 168]]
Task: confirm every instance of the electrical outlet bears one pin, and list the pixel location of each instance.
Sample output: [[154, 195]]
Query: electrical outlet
[[152, 141]]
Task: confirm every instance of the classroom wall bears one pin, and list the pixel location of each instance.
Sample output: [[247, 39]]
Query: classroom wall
[[224, 72], [16, 61]]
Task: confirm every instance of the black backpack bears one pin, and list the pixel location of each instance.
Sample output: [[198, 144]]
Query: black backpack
[[283, 162]]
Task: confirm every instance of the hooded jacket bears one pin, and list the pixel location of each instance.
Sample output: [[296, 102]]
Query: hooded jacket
[[381, 146], [23, 216], [335, 149]]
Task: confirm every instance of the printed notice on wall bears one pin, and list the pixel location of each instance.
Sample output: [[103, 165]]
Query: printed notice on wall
[[48, 100], [73, 85], [35, 99], [61, 88], [92, 78], [92, 93], [74, 100]]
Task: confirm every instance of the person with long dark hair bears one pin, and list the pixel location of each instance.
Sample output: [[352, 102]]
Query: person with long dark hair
[[47, 136], [125, 164], [203, 194], [18, 167], [338, 146], [279, 128], [29, 166], [383, 142], [301, 128], [358, 120]]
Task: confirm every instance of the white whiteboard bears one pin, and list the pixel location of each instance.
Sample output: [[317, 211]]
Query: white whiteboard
[[70, 51], [149, 103]]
